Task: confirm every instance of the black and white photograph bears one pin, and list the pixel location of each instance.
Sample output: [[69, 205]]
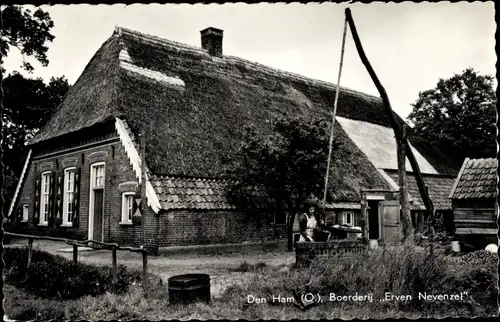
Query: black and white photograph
[[249, 161]]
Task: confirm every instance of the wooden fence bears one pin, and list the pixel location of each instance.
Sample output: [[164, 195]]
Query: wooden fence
[[306, 252], [92, 244]]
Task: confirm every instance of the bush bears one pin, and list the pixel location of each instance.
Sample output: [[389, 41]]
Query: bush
[[53, 276]]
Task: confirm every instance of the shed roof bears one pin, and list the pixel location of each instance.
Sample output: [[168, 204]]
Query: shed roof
[[477, 179], [439, 188]]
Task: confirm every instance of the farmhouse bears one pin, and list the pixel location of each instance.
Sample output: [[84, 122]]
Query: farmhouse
[[82, 176], [474, 201]]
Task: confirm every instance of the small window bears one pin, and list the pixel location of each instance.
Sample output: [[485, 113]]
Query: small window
[[68, 196], [97, 176], [348, 218], [44, 199], [127, 207], [280, 218], [25, 213]]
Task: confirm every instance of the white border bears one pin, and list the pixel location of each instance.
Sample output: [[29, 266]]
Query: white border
[[123, 210], [135, 161], [45, 222], [91, 199], [65, 204], [19, 183]]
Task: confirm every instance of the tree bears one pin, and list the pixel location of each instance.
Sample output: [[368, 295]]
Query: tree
[[28, 104], [288, 166], [458, 116], [27, 32]]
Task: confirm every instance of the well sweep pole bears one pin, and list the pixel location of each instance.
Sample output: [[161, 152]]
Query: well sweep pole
[[334, 113]]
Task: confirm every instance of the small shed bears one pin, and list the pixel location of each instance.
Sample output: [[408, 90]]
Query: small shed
[[474, 199]]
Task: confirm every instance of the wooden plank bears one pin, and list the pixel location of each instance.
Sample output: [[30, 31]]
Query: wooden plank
[[479, 226], [474, 216], [475, 221], [482, 231], [475, 209]]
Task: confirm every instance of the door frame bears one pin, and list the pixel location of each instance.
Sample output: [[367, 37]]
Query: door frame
[[377, 195], [91, 200]]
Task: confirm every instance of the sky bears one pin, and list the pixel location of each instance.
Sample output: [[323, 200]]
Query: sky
[[410, 46]]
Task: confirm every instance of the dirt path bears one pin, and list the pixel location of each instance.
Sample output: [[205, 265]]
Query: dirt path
[[219, 267]]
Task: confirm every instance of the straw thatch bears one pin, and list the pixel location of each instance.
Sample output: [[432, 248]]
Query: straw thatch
[[195, 128]]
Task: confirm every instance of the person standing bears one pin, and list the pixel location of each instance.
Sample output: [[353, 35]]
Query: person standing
[[308, 223]]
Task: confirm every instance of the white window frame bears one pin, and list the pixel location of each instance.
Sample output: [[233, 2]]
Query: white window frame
[[44, 211], [65, 213], [25, 213], [125, 207], [93, 187], [344, 217], [93, 175]]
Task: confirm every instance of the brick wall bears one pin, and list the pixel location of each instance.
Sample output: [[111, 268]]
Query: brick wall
[[195, 227], [173, 228]]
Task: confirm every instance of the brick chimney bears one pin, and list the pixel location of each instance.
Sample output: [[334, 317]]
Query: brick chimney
[[211, 40]]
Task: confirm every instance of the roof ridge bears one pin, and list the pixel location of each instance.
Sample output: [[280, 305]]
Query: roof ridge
[[234, 59]]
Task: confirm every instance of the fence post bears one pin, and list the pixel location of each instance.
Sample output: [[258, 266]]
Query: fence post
[[114, 265], [30, 251], [144, 270], [75, 257]]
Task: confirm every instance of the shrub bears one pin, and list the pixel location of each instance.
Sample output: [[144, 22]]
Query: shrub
[[53, 276]]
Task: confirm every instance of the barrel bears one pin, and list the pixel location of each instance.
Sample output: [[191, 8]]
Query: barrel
[[189, 288]]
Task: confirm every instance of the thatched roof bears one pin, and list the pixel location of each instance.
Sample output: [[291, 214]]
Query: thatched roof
[[193, 107]]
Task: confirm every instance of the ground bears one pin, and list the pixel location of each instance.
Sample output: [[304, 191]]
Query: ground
[[219, 267]]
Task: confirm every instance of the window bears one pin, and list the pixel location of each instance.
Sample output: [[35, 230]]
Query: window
[[68, 196], [44, 199], [25, 213], [348, 218], [127, 207], [97, 176]]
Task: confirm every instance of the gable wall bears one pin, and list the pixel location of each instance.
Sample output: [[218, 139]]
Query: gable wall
[[118, 170]]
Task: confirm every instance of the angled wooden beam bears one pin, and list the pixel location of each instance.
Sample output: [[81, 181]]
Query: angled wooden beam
[[395, 123]]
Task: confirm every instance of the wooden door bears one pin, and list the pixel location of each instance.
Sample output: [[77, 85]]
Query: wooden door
[[98, 214], [389, 211]]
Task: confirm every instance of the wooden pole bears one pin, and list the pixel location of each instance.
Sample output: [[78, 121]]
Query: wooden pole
[[143, 187], [30, 251], [75, 258], [330, 146], [364, 215], [403, 188], [145, 271], [113, 262]]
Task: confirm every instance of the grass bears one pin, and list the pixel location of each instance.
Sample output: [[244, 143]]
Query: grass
[[246, 267], [53, 276], [399, 271]]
